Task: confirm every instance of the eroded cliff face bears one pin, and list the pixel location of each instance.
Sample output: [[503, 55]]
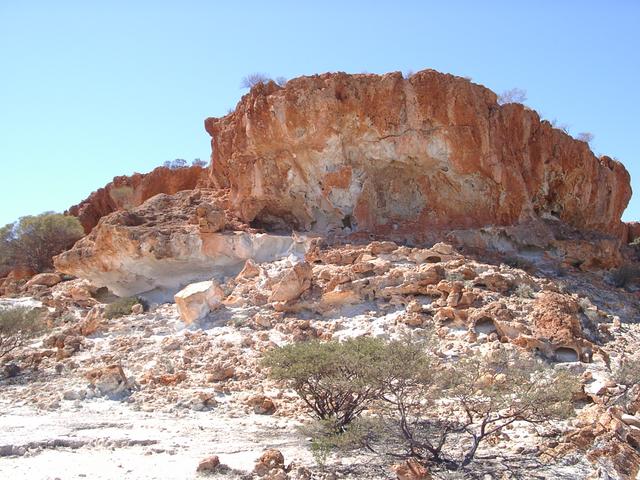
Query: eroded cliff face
[[384, 154], [130, 191]]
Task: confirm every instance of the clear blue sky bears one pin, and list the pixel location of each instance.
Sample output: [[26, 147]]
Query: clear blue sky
[[90, 90]]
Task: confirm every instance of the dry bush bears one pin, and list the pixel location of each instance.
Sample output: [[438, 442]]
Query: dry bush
[[17, 326], [515, 95], [585, 137], [254, 79]]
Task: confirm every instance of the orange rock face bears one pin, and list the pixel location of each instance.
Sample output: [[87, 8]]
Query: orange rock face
[[131, 191], [385, 154]]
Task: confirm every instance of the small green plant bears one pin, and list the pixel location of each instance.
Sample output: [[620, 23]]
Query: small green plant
[[17, 326], [121, 307]]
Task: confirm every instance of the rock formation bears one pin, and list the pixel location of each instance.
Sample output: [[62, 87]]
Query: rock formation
[[130, 191], [163, 245], [389, 155]]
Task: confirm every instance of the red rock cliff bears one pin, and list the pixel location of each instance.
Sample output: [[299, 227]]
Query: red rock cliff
[[131, 191], [387, 154]]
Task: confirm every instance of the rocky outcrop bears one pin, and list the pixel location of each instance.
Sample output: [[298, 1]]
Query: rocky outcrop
[[130, 191], [390, 155], [162, 246]]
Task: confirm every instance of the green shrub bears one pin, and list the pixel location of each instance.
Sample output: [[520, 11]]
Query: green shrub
[[33, 241], [339, 380], [420, 406], [17, 325], [121, 307]]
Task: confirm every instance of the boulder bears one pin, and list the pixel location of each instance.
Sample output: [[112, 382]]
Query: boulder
[[109, 381], [209, 464], [46, 279], [270, 460], [195, 301], [295, 281]]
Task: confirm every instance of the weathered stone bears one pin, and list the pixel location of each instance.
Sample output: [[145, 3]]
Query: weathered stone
[[293, 283], [209, 464], [126, 192], [46, 279], [154, 250], [195, 301], [396, 156]]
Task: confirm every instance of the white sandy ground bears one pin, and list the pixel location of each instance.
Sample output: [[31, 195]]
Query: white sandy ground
[[118, 442]]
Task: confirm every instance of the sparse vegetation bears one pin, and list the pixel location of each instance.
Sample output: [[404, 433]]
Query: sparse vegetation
[[432, 410], [254, 79], [336, 380], [17, 326], [33, 241], [585, 137], [182, 163], [515, 95], [121, 307], [175, 164], [560, 126]]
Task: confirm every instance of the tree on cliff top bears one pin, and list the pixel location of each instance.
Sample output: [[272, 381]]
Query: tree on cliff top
[[33, 241], [253, 79]]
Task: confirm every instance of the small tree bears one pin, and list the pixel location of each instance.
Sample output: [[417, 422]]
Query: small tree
[[435, 411], [585, 137], [337, 380], [515, 95], [254, 79], [17, 326], [33, 241], [198, 163]]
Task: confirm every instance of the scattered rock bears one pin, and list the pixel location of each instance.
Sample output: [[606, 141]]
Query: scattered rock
[[209, 464], [195, 301], [46, 279], [271, 459]]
